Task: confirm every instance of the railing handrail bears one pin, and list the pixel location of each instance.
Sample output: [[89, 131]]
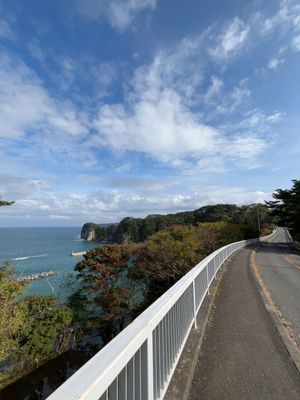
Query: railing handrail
[[104, 366]]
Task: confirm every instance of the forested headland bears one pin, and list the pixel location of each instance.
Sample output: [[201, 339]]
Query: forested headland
[[137, 230]]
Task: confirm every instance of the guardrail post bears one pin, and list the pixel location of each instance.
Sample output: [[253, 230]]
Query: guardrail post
[[150, 366], [214, 265], [195, 307], [207, 278]]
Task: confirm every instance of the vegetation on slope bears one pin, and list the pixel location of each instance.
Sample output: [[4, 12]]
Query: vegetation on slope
[[32, 328], [118, 281], [139, 229]]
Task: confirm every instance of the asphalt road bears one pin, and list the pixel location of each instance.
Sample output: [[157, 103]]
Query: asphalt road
[[243, 357], [279, 264]]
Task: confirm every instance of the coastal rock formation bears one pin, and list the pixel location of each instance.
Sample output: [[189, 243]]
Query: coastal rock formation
[[88, 231], [98, 233]]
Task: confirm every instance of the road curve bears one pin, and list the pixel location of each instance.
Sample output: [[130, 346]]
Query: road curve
[[279, 265], [243, 357]]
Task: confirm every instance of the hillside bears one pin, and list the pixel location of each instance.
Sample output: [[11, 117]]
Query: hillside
[[138, 229]]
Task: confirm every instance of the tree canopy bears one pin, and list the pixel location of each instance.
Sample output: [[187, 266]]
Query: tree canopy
[[32, 328], [117, 281], [135, 230], [286, 208], [104, 292], [5, 203]]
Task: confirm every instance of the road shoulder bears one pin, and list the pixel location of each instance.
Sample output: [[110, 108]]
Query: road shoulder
[[279, 321]]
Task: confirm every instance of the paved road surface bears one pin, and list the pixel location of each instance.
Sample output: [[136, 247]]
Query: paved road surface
[[279, 264], [243, 357]]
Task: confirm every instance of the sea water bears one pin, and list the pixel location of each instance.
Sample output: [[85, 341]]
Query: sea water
[[33, 250]]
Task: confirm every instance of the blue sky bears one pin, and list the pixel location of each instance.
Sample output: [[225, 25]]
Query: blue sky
[[111, 108]]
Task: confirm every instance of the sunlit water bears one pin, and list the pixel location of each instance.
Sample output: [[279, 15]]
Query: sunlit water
[[33, 250]]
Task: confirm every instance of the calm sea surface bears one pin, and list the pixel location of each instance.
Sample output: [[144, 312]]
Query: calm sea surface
[[33, 250]]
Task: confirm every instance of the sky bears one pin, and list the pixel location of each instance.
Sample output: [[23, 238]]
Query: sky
[[114, 108]]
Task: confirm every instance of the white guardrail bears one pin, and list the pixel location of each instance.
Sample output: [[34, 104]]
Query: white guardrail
[[139, 362]]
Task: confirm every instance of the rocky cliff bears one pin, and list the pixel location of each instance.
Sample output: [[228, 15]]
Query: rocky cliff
[[98, 233], [88, 231]]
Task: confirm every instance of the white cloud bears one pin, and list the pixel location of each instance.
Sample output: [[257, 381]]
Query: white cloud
[[158, 119], [59, 217], [274, 63], [230, 101], [16, 187], [230, 40], [288, 14], [26, 105], [43, 206], [36, 51], [36, 125], [214, 89], [86, 71], [119, 13], [6, 31], [296, 43], [161, 127], [245, 148], [286, 19], [255, 119]]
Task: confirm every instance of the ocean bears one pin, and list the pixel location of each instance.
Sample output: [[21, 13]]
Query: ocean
[[33, 250]]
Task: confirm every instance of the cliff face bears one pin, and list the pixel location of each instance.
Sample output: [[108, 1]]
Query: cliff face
[[98, 233], [88, 231]]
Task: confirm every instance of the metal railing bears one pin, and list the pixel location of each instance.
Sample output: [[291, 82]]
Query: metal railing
[[139, 362]]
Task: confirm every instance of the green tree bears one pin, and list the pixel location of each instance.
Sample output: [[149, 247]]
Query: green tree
[[286, 208], [32, 328], [104, 286], [11, 316], [128, 230], [169, 254], [163, 259], [45, 329], [5, 203], [212, 235]]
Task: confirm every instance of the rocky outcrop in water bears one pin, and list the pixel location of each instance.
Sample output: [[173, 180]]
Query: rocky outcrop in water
[[98, 233], [88, 231]]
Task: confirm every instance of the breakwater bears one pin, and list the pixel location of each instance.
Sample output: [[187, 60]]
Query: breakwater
[[39, 275]]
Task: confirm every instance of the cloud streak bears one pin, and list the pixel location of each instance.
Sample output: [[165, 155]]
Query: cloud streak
[[26, 104], [119, 14], [6, 30], [158, 118], [230, 40]]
